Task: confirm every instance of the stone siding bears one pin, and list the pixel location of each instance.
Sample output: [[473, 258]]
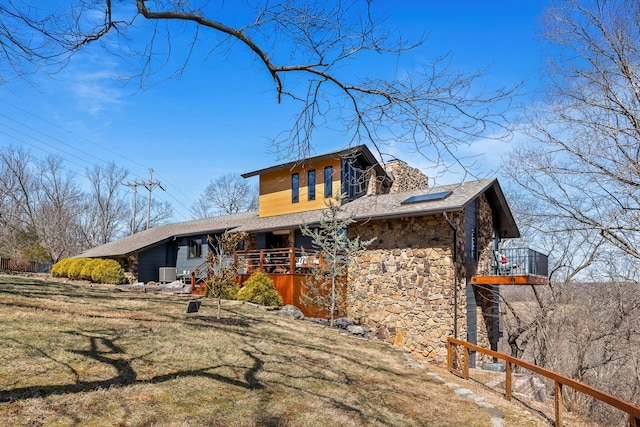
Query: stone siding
[[403, 284], [130, 266], [405, 177]]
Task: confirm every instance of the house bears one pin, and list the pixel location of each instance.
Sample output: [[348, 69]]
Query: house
[[431, 272]]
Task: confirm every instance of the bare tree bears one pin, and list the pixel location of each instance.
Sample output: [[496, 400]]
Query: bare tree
[[583, 162], [327, 285], [17, 188], [222, 266], [106, 212], [39, 199], [227, 194], [58, 209], [305, 46], [160, 213]]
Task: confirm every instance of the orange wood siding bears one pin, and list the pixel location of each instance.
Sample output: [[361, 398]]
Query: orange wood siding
[[291, 288], [509, 280], [275, 189]]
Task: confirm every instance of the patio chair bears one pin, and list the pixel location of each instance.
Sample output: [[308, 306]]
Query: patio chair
[[503, 267]]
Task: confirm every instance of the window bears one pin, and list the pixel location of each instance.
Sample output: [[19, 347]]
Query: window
[[328, 181], [353, 179], [311, 182], [295, 188], [194, 249]]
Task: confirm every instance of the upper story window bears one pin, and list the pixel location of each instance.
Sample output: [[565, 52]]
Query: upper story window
[[311, 182], [328, 184], [353, 179], [295, 188], [194, 249]]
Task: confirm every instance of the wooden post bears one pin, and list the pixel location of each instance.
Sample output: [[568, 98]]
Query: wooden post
[[507, 381], [449, 356], [465, 368], [292, 260], [558, 404], [633, 421], [261, 259]]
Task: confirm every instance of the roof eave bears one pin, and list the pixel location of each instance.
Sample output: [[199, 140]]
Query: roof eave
[[359, 149]]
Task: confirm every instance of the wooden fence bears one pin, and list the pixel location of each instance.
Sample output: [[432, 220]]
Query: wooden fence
[[458, 364], [24, 266]]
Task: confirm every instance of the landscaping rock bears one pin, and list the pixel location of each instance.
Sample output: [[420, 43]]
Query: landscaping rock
[[343, 322], [291, 311], [356, 330]]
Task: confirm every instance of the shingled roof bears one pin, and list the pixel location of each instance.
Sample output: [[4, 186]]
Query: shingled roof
[[348, 153], [156, 235], [364, 208], [391, 206]]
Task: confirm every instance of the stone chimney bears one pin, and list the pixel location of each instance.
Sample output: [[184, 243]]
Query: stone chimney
[[405, 177]]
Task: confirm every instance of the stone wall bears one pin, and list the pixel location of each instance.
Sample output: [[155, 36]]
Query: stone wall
[[405, 177], [403, 284], [130, 266]]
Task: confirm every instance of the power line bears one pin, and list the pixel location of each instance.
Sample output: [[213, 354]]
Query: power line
[[58, 150], [149, 185]]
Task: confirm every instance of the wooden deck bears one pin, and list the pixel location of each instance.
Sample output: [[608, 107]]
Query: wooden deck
[[287, 267], [522, 279]]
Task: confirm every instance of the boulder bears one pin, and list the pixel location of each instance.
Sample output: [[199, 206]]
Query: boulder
[[356, 330], [343, 322], [291, 311]]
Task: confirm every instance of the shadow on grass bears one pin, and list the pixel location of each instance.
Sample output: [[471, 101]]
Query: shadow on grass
[[113, 355], [227, 321]]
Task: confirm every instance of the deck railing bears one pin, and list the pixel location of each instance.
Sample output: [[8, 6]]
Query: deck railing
[[24, 266], [458, 353], [279, 260], [521, 262]]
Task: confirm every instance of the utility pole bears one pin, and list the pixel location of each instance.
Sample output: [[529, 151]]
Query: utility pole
[[149, 185], [135, 186]]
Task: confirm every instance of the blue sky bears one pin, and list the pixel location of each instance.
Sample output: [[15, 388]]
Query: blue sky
[[219, 116]]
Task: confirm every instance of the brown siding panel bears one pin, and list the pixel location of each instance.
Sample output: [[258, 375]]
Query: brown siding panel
[[275, 189]]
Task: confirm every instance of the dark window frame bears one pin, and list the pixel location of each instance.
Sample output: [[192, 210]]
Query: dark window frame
[[328, 183], [295, 188], [311, 184]]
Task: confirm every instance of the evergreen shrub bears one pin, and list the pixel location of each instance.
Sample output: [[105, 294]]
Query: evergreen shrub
[[108, 271], [61, 268], [75, 267], [230, 292], [89, 266], [259, 289]]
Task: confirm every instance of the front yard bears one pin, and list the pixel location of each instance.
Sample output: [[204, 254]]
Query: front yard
[[81, 355]]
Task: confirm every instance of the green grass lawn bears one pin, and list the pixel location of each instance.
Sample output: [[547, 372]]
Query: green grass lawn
[[80, 355]]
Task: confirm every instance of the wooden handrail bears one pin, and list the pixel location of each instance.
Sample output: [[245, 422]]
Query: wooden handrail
[[559, 379], [194, 274]]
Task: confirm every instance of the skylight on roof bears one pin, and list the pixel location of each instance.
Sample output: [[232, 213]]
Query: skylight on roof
[[427, 197]]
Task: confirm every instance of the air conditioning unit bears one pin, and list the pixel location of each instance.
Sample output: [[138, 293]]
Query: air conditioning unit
[[167, 274]]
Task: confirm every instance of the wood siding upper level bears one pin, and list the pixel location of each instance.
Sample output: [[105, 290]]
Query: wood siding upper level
[[276, 191]]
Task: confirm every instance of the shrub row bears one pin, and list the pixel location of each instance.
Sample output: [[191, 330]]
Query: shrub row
[[94, 269]]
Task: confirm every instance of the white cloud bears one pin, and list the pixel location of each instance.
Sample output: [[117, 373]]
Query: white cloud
[[483, 159], [90, 80]]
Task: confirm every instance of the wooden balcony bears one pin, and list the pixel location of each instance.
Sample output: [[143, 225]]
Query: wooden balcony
[[524, 279], [517, 266]]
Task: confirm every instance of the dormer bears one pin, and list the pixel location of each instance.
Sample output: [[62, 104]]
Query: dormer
[[311, 183]]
